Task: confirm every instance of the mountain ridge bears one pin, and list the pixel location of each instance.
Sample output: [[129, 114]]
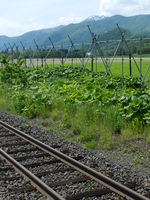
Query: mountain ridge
[[136, 25]]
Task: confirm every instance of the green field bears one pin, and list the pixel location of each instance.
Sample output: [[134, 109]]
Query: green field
[[116, 69]]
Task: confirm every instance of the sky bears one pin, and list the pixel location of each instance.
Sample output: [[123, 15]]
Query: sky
[[20, 16]]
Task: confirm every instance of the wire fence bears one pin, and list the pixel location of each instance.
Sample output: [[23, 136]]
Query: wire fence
[[99, 55]]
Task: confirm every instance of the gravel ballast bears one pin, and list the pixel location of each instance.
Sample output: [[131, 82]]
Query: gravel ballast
[[96, 160]]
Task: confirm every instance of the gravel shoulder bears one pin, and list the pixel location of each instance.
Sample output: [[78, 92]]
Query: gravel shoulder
[[135, 154], [122, 164]]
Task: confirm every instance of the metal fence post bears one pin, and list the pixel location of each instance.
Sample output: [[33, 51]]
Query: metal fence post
[[141, 59], [130, 65], [92, 64]]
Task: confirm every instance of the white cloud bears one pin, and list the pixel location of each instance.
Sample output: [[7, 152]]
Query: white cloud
[[14, 28], [124, 7], [68, 20]]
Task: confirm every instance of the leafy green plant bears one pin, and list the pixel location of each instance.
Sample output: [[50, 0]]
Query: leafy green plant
[[12, 73], [81, 101]]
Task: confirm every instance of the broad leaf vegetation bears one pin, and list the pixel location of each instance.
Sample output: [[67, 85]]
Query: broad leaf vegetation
[[92, 106]]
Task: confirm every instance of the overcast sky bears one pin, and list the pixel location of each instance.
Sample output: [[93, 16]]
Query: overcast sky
[[20, 16]]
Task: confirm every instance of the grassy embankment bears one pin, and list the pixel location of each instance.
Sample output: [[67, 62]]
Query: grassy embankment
[[96, 111]]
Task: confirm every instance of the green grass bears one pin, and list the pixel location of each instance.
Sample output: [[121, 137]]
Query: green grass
[[116, 69], [5, 101]]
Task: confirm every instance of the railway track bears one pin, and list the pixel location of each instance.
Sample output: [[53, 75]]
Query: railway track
[[55, 174]]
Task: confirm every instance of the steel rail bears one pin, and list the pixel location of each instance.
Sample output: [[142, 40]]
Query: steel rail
[[89, 172], [35, 181]]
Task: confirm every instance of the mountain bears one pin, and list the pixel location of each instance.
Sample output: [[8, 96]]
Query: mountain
[[27, 39], [114, 34], [105, 26]]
